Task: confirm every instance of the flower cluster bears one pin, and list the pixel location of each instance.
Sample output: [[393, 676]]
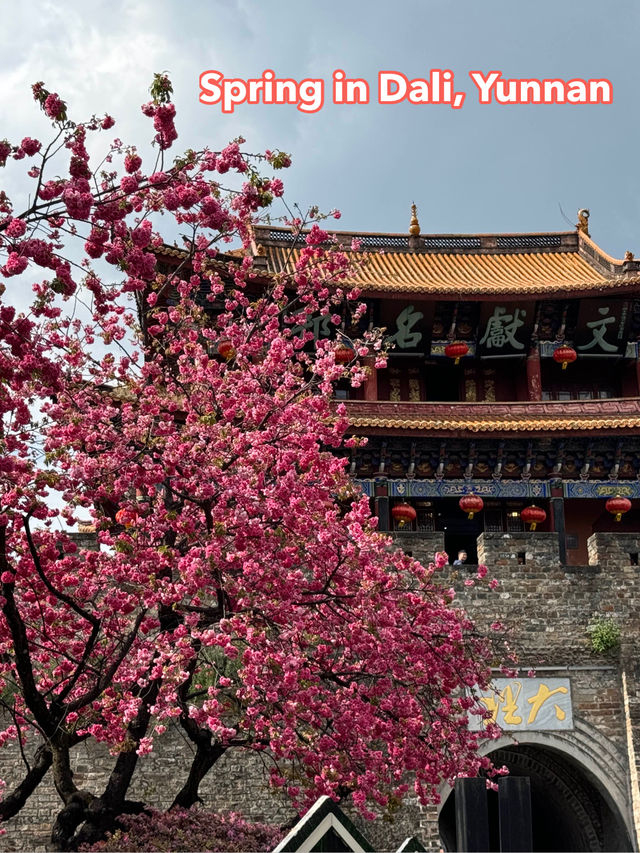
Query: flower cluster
[[189, 830], [54, 107], [163, 121]]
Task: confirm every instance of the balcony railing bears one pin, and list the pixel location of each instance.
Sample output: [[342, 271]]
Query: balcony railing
[[526, 408]]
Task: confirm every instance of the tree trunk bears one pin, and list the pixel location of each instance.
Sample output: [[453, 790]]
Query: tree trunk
[[13, 802], [68, 820], [206, 756], [63, 774], [101, 814]]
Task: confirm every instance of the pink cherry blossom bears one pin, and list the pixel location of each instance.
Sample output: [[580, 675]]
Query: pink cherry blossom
[[30, 146], [241, 588], [16, 228]]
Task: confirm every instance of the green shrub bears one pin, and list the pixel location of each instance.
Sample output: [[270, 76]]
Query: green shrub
[[605, 634]]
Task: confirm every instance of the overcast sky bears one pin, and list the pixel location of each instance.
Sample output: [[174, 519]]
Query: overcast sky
[[477, 169]]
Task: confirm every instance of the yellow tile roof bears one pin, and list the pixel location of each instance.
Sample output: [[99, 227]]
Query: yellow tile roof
[[517, 265], [498, 424], [524, 273], [484, 264], [533, 416]]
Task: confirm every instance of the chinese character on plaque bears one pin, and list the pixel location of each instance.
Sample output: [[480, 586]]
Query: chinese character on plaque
[[601, 327], [527, 704], [407, 337], [502, 328], [505, 329]]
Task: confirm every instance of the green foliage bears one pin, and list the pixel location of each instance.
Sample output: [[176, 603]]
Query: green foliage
[[605, 634], [161, 89]]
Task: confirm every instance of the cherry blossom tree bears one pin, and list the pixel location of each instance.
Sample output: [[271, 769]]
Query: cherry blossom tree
[[241, 589]]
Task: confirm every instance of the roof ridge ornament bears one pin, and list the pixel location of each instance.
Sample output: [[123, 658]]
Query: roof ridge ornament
[[414, 225], [583, 221], [414, 228], [630, 264]]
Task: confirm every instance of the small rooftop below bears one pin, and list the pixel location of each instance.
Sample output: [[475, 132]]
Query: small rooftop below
[[579, 417]]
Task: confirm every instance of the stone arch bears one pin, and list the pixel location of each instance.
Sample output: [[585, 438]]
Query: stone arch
[[584, 777]]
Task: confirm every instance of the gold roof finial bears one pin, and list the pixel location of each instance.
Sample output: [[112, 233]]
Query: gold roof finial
[[583, 221], [414, 225]]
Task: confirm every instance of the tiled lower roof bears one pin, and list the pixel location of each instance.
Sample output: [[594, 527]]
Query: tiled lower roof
[[533, 416], [498, 424]]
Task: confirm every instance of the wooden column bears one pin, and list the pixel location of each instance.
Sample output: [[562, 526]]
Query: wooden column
[[382, 505], [556, 505], [534, 377], [371, 382]]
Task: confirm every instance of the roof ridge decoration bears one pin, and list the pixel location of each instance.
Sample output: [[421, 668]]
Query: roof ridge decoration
[[583, 221], [414, 241], [507, 243], [414, 225]]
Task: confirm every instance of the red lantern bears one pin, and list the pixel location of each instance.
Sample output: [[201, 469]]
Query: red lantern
[[471, 504], [533, 515], [403, 514], [226, 349], [618, 506], [344, 354], [564, 355], [126, 517], [456, 350]]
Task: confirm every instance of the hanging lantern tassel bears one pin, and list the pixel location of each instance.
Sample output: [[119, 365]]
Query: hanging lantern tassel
[[343, 354], [226, 350], [618, 506], [471, 504], [564, 355], [456, 350], [403, 514], [127, 517], [533, 515]]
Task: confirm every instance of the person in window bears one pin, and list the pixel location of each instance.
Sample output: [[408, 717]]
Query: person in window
[[462, 559]]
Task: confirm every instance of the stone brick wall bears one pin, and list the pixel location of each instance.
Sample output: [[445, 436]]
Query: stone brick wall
[[546, 608], [422, 546]]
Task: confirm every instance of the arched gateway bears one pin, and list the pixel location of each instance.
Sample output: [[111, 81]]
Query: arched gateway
[[578, 801]]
